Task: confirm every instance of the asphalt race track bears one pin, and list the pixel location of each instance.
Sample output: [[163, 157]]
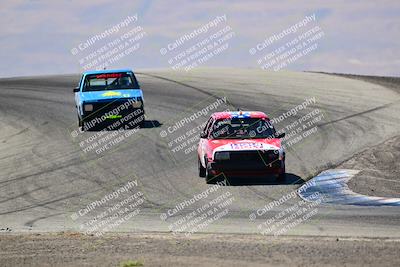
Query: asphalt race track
[[46, 176]]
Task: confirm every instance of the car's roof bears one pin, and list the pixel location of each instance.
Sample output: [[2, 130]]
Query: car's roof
[[105, 71], [239, 114]]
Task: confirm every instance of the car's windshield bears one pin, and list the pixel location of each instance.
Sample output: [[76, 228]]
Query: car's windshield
[[243, 128], [110, 81]]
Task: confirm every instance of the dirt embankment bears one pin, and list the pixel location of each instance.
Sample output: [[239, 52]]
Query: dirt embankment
[[380, 170]]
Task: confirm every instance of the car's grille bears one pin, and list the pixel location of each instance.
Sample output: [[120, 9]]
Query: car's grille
[[250, 160], [100, 108], [267, 156]]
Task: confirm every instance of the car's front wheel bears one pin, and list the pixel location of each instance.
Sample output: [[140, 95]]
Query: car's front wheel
[[211, 178], [202, 170], [80, 123], [142, 122], [282, 175]]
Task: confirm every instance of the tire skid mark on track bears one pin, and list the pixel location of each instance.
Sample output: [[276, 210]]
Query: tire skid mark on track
[[357, 114], [30, 223], [177, 82], [41, 204]]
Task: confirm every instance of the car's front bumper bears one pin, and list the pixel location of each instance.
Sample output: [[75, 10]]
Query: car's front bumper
[[106, 112], [249, 163]]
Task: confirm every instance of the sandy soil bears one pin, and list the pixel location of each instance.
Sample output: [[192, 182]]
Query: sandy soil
[[71, 249]]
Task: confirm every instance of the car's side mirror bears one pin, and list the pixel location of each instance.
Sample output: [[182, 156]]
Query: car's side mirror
[[203, 135], [281, 135], [76, 89]]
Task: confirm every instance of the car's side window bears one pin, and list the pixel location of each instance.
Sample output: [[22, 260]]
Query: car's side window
[[208, 126], [86, 83]]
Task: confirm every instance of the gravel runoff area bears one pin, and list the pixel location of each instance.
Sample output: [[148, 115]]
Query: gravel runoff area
[[73, 249]]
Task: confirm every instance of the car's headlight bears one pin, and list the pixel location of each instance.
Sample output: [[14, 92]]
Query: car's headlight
[[222, 156], [137, 104], [88, 107]]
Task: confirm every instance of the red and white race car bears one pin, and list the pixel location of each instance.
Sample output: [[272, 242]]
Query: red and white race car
[[240, 143]]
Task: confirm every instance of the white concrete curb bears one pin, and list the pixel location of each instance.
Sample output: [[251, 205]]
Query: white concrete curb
[[331, 187]]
